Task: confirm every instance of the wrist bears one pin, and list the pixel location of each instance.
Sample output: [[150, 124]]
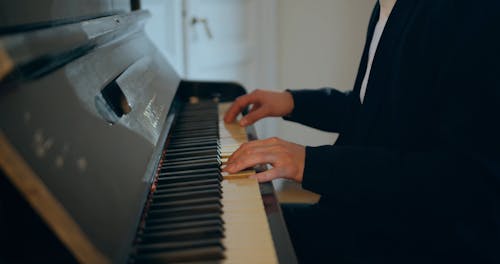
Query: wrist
[[290, 105]]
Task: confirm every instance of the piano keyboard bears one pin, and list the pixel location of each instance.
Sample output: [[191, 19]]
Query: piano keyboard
[[194, 212]]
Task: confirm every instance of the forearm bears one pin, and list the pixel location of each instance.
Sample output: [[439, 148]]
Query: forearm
[[438, 202], [326, 109], [358, 171]]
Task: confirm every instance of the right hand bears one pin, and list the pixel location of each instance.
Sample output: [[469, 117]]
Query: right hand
[[264, 104]]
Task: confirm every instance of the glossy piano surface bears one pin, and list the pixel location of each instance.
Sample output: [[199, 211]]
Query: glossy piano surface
[[87, 102], [97, 164]]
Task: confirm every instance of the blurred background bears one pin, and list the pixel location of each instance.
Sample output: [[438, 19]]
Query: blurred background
[[269, 44]]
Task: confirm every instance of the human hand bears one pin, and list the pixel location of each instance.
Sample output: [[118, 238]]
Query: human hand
[[264, 104], [286, 158]]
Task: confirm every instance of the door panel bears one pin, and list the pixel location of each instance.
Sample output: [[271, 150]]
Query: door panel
[[228, 54]]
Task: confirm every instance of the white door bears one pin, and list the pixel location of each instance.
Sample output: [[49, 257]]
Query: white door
[[232, 40], [164, 28], [222, 40]]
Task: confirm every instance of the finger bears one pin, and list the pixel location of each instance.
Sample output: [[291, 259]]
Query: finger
[[266, 176], [239, 153], [261, 157], [237, 107], [253, 116], [249, 146]]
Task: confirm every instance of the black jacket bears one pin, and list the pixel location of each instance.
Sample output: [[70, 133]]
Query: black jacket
[[418, 163]]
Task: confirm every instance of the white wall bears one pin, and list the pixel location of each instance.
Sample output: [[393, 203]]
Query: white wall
[[319, 44], [164, 28]]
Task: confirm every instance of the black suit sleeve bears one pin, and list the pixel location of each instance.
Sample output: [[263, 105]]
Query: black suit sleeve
[[344, 171], [326, 109], [467, 152], [455, 182]]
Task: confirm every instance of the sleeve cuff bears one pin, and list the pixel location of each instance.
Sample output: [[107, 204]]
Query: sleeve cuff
[[311, 169], [324, 169], [300, 102]]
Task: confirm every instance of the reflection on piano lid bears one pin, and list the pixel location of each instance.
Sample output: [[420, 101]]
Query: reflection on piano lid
[[99, 136]]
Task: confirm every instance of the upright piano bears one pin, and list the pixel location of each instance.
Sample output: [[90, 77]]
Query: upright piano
[[108, 156]]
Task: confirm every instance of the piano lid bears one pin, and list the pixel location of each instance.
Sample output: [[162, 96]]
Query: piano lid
[[85, 106], [22, 15]]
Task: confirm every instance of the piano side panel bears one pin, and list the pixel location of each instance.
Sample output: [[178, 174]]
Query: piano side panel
[[35, 193], [15, 227], [99, 172]]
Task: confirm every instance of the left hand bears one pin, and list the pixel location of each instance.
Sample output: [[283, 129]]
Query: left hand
[[287, 159]]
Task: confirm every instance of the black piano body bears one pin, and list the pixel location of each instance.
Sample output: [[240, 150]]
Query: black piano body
[[86, 105]]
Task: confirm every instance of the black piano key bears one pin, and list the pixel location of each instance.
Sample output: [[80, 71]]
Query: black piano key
[[194, 159], [192, 109], [176, 245], [200, 105], [193, 144], [182, 218], [206, 131], [183, 221], [188, 188], [211, 109], [192, 126], [192, 177], [183, 255], [185, 149], [198, 121], [185, 211], [198, 112], [180, 225], [186, 202], [205, 105], [164, 174], [210, 152], [204, 232], [195, 166], [195, 127], [191, 161], [187, 112], [187, 195], [193, 140], [167, 186], [195, 134], [177, 161], [205, 111]]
